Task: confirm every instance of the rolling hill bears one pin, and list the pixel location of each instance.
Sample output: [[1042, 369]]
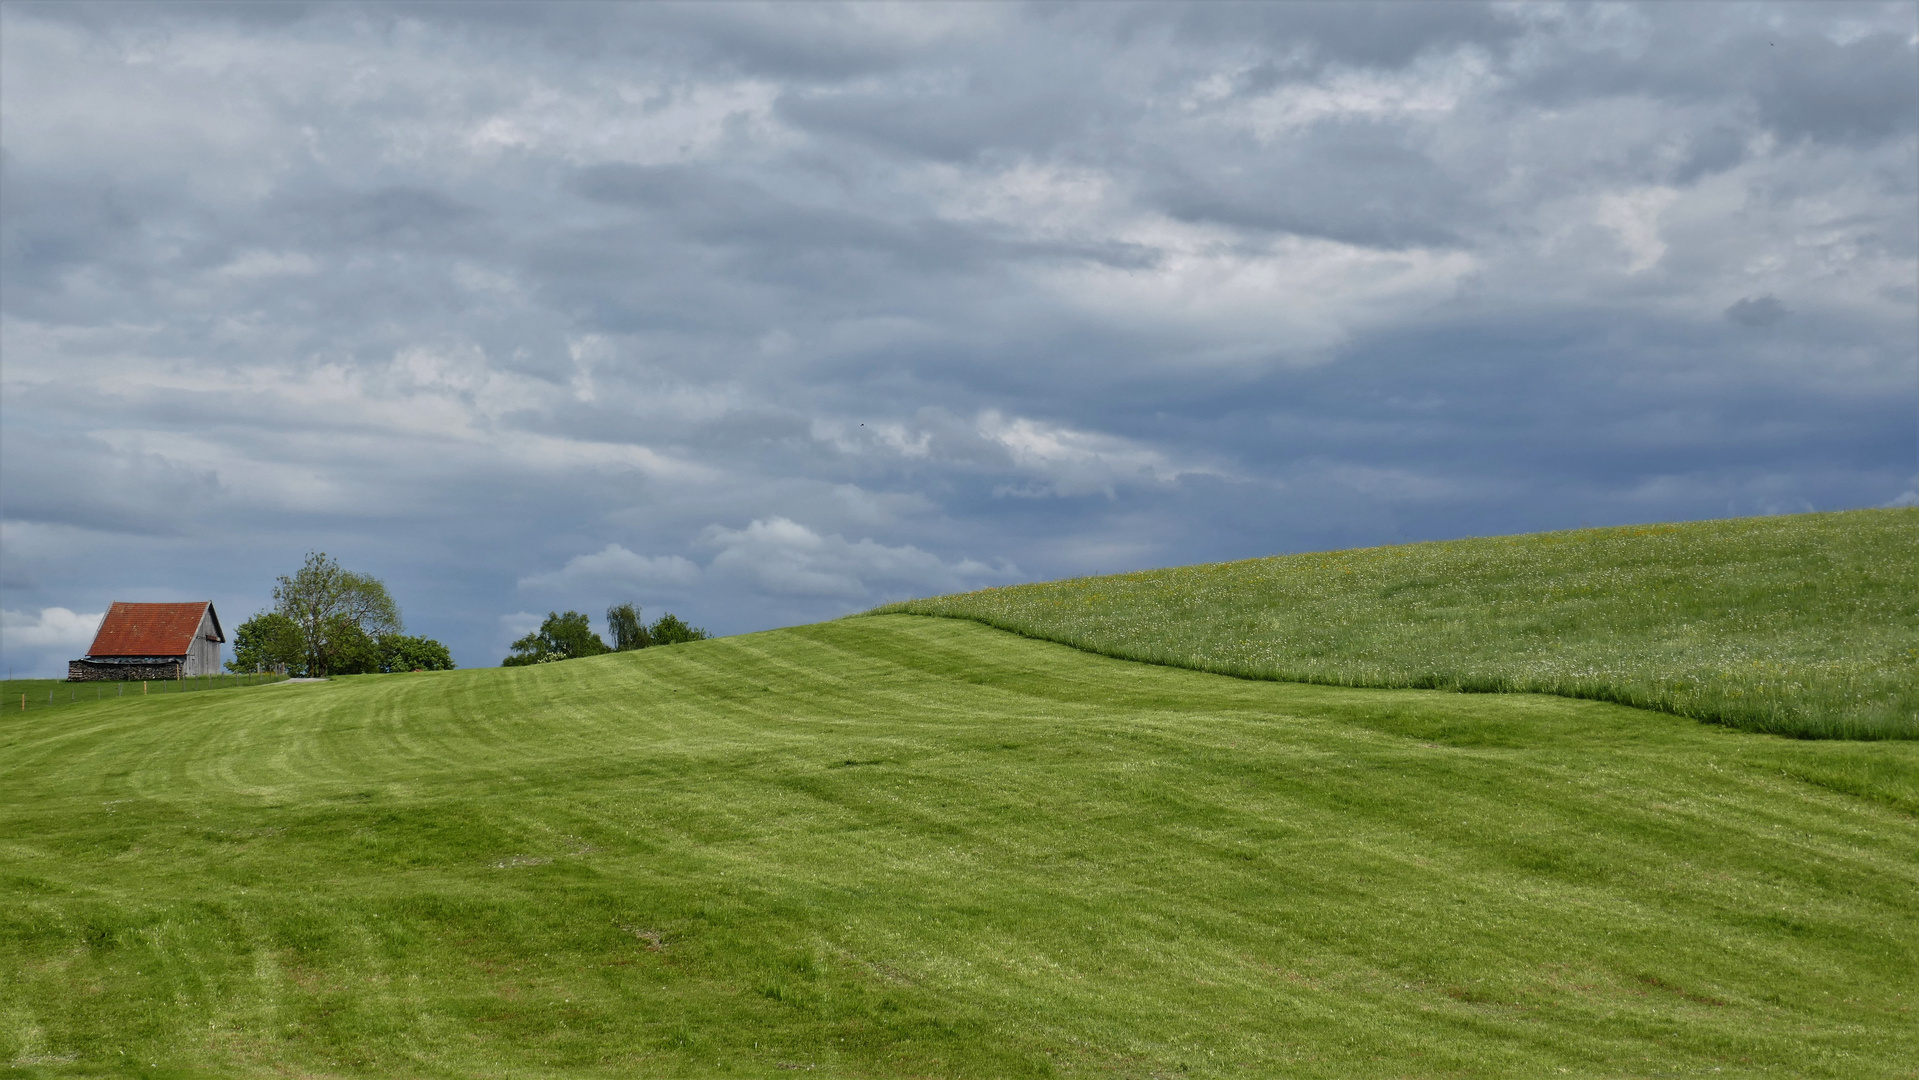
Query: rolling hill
[[904, 846], [1806, 625]]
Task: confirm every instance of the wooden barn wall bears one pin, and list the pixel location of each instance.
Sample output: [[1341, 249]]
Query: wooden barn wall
[[204, 657]]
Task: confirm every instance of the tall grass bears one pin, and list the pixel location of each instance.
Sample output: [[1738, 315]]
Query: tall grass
[[1805, 625]]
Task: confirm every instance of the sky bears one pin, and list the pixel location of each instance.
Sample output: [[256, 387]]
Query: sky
[[766, 314]]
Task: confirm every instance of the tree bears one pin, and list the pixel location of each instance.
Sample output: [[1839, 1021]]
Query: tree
[[268, 642], [560, 637], [624, 625], [338, 613], [399, 652], [351, 650], [670, 630]]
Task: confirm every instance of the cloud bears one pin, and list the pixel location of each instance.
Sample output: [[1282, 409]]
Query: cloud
[[783, 557], [1395, 484], [1756, 311], [50, 628], [1065, 462], [617, 568], [1634, 217]]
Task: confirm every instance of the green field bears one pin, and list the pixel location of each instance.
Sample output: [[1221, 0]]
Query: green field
[[1805, 625], [34, 695], [901, 846]]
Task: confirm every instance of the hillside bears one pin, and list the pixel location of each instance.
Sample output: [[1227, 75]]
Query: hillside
[[899, 846], [1805, 625]]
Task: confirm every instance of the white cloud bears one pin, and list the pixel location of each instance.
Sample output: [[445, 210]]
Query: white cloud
[[51, 628], [1427, 92], [615, 566], [891, 437], [1634, 217], [627, 121], [776, 556], [780, 556], [1236, 300], [1066, 462]]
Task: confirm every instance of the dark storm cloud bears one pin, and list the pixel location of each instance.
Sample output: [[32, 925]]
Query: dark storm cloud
[[763, 313]]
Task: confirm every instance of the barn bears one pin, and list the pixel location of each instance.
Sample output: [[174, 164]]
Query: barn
[[152, 641]]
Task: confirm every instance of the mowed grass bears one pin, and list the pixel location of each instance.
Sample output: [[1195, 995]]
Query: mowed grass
[[900, 846], [1805, 625], [34, 695]]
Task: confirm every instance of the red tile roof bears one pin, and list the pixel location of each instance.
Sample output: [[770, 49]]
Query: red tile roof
[[149, 629]]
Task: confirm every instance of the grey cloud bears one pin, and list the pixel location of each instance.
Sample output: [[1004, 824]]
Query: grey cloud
[[1386, 35], [398, 216], [732, 213], [1811, 87], [1779, 66], [127, 490], [1713, 150], [111, 16], [960, 124], [1756, 311], [803, 42], [1355, 182], [665, 187], [50, 225]]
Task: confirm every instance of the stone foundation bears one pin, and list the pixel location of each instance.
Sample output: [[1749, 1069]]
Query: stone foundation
[[143, 671]]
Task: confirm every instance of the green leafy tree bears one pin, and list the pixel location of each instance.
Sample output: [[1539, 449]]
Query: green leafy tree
[[351, 650], [624, 626], [268, 642], [338, 613], [560, 637], [671, 630], [399, 652]]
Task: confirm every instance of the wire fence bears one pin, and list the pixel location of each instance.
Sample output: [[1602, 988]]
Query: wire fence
[[29, 695]]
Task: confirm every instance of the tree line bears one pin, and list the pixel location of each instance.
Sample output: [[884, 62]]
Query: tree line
[[570, 635], [327, 620]]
